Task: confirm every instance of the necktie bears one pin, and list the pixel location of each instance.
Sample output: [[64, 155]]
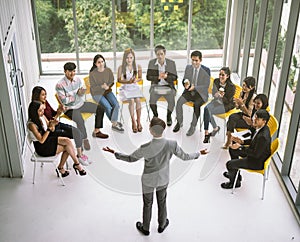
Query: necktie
[[194, 76]]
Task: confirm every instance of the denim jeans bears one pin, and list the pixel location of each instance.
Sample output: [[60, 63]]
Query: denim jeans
[[111, 105]]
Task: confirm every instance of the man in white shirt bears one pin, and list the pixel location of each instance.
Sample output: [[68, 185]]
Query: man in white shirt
[[70, 92]]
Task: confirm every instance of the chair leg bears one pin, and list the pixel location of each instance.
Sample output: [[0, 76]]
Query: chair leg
[[33, 175], [148, 118], [235, 180], [264, 185], [121, 114], [59, 175], [224, 129]]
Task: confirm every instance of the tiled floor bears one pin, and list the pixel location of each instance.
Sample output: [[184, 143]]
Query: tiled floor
[[104, 205]]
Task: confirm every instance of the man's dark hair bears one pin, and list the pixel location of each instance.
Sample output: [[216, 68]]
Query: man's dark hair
[[69, 66], [263, 114], [197, 53], [159, 47], [157, 126]]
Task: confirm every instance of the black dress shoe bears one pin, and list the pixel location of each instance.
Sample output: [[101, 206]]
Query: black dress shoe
[[214, 132], [139, 227], [177, 127], [225, 174], [169, 120], [229, 185], [161, 229], [191, 131]]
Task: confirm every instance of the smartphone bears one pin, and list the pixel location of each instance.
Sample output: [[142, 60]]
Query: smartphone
[[246, 135]]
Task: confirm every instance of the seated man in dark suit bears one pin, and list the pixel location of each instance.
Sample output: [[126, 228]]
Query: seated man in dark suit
[[255, 155], [196, 82], [162, 74]]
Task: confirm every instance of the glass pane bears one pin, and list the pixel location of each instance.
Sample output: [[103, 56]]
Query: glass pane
[[266, 42], [134, 17], [55, 40], [170, 24], [295, 168], [279, 53], [289, 95]]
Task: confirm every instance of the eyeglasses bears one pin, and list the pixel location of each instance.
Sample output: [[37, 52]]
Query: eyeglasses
[[222, 74]]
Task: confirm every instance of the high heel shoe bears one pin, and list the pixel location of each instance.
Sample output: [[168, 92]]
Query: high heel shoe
[[81, 173], [214, 132], [66, 173], [206, 138], [139, 127], [134, 128]]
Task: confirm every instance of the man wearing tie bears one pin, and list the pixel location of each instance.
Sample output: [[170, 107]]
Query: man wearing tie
[[196, 82], [255, 155]]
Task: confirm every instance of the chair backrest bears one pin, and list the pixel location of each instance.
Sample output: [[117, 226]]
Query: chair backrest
[[211, 85], [274, 149], [238, 90], [272, 124], [87, 84]]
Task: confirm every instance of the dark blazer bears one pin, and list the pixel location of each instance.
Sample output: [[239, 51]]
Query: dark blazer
[[259, 149], [203, 80], [153, 73], [229, 93]]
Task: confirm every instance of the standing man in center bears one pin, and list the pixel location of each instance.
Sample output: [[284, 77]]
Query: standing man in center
[[162, 74], [196, 82]]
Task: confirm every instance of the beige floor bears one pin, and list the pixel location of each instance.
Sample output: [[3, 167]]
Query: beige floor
[[104, 205]]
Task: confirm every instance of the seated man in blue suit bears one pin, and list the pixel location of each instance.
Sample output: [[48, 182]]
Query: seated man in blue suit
[[255, 155], [196, 83]]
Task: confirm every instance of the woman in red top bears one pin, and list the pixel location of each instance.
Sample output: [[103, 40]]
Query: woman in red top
[[61, 129]]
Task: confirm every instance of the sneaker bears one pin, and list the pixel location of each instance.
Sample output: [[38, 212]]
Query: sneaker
[[86, 144], [117, 128], [83, 160], [191, 131], [85, 157]]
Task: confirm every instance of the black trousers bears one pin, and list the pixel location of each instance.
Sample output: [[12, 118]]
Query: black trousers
[[236, 121], [87, 107]]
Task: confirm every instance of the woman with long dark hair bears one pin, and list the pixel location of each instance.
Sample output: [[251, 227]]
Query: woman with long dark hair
[[101, 80], [48, 145], [61, 129], [245, 104], [223, 92]]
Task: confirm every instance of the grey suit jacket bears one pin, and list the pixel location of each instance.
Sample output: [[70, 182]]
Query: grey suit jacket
[[157, 154], [203, 80]]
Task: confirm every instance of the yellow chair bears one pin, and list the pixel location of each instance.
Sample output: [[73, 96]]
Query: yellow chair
[[224, 116], [265, 171], [88, 89], [85, 116], [142, 99], [191, 104], [272, 124]]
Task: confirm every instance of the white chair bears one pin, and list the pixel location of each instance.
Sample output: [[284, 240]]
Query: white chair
[[36, 158]]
